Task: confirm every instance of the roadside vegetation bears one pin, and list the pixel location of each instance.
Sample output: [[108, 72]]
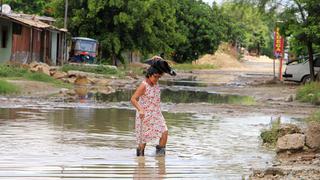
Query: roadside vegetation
[[8, 88], [16, 72], [271, 135], [315, 117], [310, 92], [189, 66], [99, 69]]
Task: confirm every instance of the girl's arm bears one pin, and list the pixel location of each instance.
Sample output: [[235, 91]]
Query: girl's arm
[[135, 97]]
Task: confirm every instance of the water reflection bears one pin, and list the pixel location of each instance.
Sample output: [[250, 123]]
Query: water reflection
[[191, 81], [92, 143], [182, 96], [145, 169], [83, 94]]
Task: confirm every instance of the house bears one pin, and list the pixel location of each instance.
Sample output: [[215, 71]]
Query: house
[[26, 38]]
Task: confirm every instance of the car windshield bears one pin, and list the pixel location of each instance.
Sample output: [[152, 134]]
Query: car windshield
[[84, 45]]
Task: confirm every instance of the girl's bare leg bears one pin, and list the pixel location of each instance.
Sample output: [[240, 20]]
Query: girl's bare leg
[[142, 146], [163, 139], [140, 149]]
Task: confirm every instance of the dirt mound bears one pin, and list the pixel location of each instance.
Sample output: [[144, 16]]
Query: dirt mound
[[224, 58], [220, 60], [258, 58]]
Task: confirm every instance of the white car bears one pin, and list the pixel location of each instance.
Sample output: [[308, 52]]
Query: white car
[[299, 71]]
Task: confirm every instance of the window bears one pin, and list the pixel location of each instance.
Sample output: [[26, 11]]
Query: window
[[4, 34]]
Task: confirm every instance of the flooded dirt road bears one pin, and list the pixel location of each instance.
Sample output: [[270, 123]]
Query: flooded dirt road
[[214, 127], [90, 143]]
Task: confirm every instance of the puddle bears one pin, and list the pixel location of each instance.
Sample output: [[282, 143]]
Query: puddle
[[190, 81], [99, 143], [182, 96]]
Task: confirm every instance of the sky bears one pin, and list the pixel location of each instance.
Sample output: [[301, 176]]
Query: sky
[[210, 1]]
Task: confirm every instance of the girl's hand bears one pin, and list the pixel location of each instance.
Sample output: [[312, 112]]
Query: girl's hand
[[141, 114]]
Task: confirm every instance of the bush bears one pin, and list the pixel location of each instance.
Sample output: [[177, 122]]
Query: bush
[[7, 88], [270, 136], [309, 93]]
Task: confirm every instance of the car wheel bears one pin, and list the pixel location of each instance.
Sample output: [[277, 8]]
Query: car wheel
[[306, 79]]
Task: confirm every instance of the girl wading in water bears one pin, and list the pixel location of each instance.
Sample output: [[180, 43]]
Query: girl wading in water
[[150, 123]]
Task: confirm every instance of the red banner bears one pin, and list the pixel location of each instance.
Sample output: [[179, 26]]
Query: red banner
[[278, 43]]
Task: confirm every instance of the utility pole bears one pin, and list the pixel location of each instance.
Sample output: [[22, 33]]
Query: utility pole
[[65, 14], [65, 34]]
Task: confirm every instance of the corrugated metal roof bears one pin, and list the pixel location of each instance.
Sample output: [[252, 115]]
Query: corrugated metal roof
[[31, 21]]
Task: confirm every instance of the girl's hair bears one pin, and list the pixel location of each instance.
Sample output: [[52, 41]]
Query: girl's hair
[[153, 70]]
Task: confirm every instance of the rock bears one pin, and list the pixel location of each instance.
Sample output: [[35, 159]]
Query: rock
[[290, 142], [33, 64], [87, 74], [63, 90], [81, 80], [313, 136], [99, 81], [40, 67], [274, 171], [308, 157], [59, 75], [288, 129], [69, 80], [290, 98]]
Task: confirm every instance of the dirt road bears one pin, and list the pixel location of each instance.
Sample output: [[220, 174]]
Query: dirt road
[[255, 77]]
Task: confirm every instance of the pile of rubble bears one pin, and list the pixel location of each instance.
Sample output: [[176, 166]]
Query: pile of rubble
[[74, 77], [298, 154]]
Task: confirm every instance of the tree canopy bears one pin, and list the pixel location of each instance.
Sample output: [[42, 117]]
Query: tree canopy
[[183, 29]]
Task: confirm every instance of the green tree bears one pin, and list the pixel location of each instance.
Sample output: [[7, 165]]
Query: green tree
[[199, 23], [249, 26], [123, 25], [39, 7], [302, 24]]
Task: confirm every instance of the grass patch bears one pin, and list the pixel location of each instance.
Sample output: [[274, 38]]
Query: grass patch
[[46, 78], [8, 88], [100, 69], [309, 93], [12, 71], [188, 66], [270, 136], [38, 77], [315, 117]]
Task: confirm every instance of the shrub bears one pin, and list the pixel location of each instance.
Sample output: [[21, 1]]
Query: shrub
[[270, 136], [309, 93]]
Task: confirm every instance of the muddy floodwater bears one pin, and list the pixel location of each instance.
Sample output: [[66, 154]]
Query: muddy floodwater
[[182, 96], [93, 143]]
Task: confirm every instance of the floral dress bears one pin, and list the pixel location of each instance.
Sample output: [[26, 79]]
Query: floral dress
[[153, 124]]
